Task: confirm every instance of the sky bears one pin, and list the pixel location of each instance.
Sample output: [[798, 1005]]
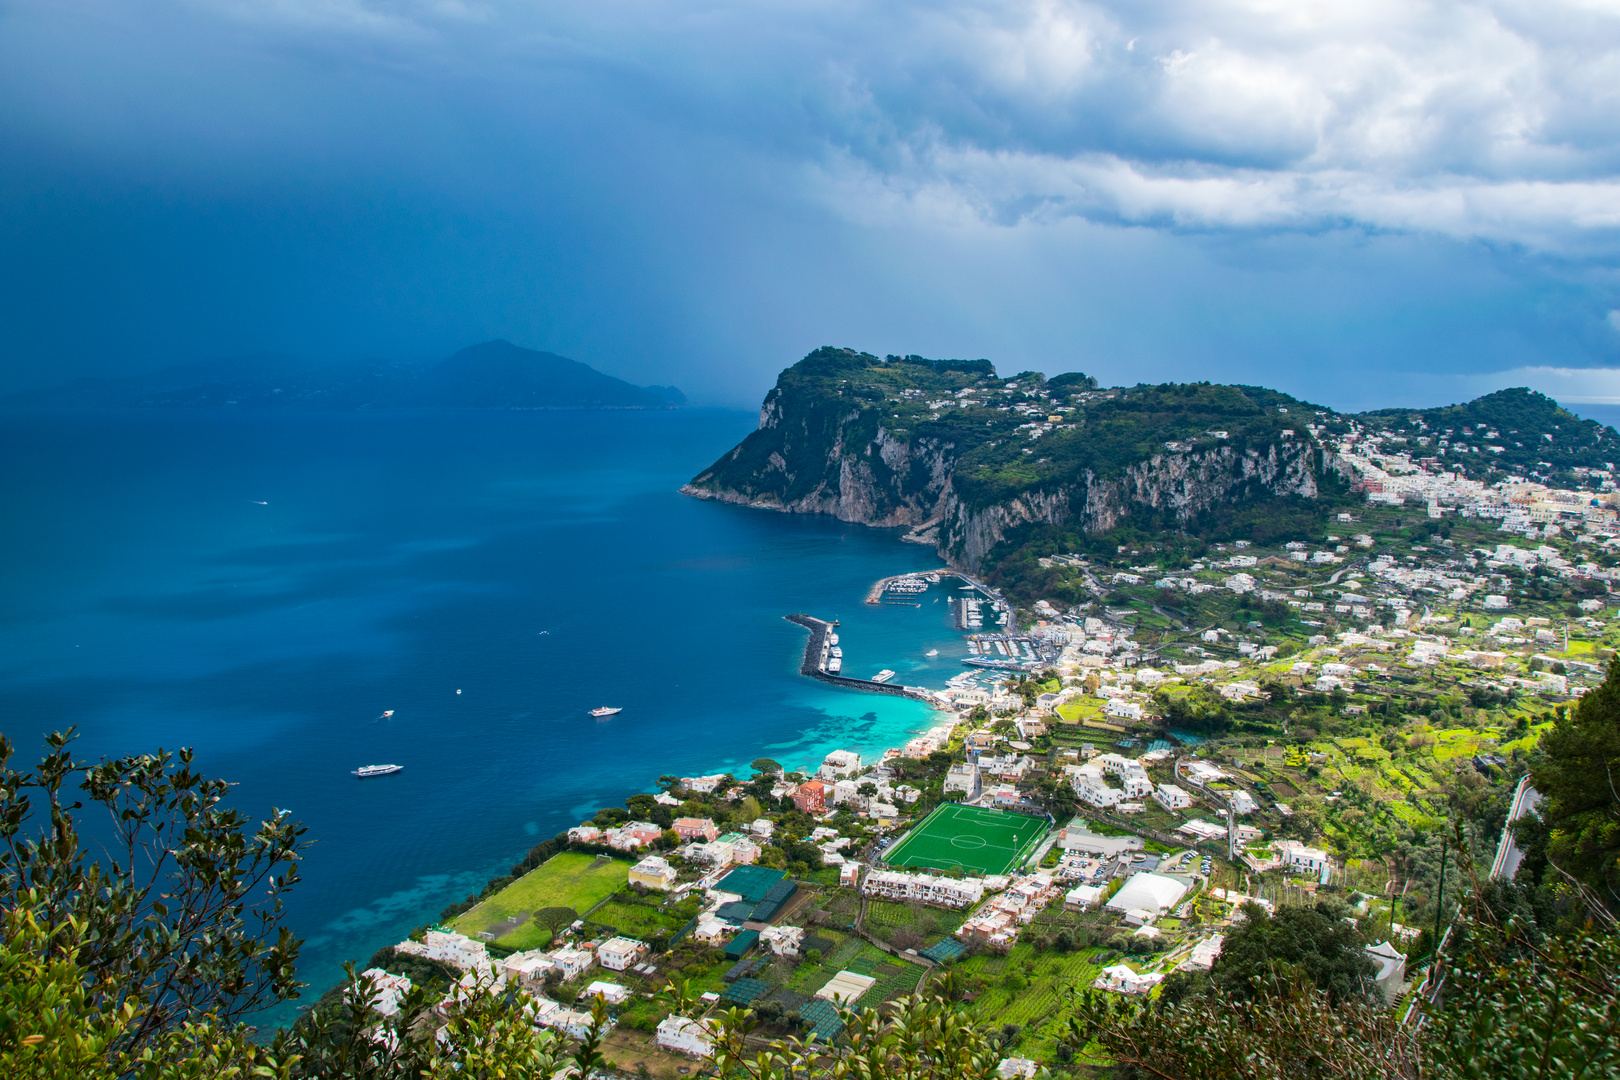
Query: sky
[[1363, 203]]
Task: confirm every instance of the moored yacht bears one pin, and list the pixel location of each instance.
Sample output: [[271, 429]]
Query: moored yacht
[[376, 770]]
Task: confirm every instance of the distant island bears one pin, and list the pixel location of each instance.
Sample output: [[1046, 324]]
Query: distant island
[[492, 375], [997, 474]]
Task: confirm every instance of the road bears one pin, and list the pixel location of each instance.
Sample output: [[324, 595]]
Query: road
[[1508, 855]]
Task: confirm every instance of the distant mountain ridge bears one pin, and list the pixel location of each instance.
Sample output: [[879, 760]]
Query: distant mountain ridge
[[491, 375]]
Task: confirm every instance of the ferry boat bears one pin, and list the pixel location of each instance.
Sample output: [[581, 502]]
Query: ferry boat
[[376, 770], [834, 666], [607, 710], [883, 676]]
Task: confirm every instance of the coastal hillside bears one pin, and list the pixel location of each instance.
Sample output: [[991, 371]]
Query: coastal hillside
[[1514, 431], [491, 375], [986, 469], [996, 473]]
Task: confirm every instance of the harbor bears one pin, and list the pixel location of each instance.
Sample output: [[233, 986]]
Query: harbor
[[820, 663], [1011, 652]]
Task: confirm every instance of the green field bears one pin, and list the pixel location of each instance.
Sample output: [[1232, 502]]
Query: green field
[[970, 839], [566, 880]]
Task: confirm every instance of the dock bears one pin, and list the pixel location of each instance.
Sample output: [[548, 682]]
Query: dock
[[815, 659], [875, 594]]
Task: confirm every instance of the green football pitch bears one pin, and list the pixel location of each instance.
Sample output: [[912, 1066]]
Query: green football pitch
[[968, 838]]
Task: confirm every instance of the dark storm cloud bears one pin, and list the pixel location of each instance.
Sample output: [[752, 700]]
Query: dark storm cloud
[[1340, 198]]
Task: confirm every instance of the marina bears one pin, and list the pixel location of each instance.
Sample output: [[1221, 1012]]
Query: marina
[[819, 663], [1011, 652]]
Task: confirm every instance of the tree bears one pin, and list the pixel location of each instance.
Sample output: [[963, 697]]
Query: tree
[[554, 918], [1579, 780], [1316, 940], [767, 766], [181, 915]]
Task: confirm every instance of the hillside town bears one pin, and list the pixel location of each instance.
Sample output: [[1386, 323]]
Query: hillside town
[[1254, 728]]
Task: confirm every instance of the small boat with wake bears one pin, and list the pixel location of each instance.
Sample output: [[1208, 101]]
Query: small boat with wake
[[606, 711], [931, 652], [365, 771]]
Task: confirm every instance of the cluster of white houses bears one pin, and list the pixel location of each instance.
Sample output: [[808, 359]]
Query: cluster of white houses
[[998, 922], [932, 889], [529, 972]]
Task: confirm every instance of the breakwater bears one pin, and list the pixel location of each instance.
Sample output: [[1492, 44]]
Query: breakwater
[[815, 651]]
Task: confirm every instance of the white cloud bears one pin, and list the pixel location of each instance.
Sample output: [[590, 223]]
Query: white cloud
[[1496, 119]]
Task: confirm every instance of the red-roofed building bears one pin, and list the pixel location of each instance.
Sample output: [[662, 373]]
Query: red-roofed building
[[811, 796]]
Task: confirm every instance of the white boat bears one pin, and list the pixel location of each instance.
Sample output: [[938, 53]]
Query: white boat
[[607, 710], [386, 714], [883, 676], [376, 770], [931, 652]]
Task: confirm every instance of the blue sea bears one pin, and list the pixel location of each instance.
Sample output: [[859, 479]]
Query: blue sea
[[264, 586]]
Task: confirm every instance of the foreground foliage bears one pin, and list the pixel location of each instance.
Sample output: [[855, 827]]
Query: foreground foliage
[[110, 972]]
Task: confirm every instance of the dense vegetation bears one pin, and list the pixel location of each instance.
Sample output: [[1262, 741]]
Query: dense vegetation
[[1536, 435]]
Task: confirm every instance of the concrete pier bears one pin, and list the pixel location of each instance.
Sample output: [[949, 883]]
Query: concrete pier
[[811, 664]]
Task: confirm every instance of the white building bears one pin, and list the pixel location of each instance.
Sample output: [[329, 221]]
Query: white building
[[1006, 766], [924, 888], [847, 792], [385, 990], [1090, 786], [1078, 839], [962, 776], [1146, 892], [1171, 797], [1122, 980], [612, 993], [1243, 803], [1199, 773], [685, 1036], [1136, 783], [1296, 856], [571, 962], [840, 763], [653, 873], [617, 954], [1082, 897], [1203, 954], [1123, 710], [457, 950], [783, 940]]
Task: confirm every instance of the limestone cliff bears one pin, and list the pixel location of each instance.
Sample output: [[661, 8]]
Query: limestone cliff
[[966, 459]]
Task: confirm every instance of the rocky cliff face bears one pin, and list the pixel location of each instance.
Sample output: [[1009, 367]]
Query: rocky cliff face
[[964, 459]]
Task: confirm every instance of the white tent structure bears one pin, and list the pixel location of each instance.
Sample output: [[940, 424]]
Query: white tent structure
[[1153, 894]]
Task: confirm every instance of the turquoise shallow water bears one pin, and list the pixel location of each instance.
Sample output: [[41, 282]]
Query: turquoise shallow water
[[264, 586]]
